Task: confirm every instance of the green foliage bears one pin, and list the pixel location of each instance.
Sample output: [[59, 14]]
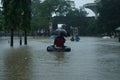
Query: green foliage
[[109, 14], [77, 18], [16, 12], [92, 28], [26, 14], [1, 20], [40, 17], [59, 7], [42, 12]]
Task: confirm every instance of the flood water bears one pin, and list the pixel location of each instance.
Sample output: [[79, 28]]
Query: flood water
[[91, 58]]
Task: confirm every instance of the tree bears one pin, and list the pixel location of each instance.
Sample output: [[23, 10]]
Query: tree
[[36, 14], [1, 19], [9, 16], [77, 18], [17, 15], [109, 15], [42, 12], [26, 17], [58, 7], [40, 18], [92, 28]]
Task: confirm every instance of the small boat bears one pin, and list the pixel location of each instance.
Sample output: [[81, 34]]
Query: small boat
[[52, 48]]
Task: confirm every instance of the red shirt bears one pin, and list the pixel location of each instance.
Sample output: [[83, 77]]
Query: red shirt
[[59, 41]]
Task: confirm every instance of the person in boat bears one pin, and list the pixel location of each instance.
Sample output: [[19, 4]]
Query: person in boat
[[77, 38], [72, 38], [59, 41]]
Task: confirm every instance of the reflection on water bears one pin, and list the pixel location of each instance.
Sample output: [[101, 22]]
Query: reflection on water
[[17, 64], [59, 56]]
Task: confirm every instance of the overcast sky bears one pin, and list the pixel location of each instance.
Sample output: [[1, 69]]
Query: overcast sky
[[79, 3]]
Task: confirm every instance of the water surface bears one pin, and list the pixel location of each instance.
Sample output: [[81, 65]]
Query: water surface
[[91, 58]]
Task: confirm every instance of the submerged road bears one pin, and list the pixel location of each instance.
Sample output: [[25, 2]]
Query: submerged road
[[91, 58]]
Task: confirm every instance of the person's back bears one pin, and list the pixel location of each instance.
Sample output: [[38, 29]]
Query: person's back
[[59, 41]]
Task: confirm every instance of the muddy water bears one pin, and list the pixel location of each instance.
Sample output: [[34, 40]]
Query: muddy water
[[90, 59]]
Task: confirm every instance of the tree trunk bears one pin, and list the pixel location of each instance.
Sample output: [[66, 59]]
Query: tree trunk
[[20, 36], [25, 37], [11, 41], [119, 37], [20, 40]]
